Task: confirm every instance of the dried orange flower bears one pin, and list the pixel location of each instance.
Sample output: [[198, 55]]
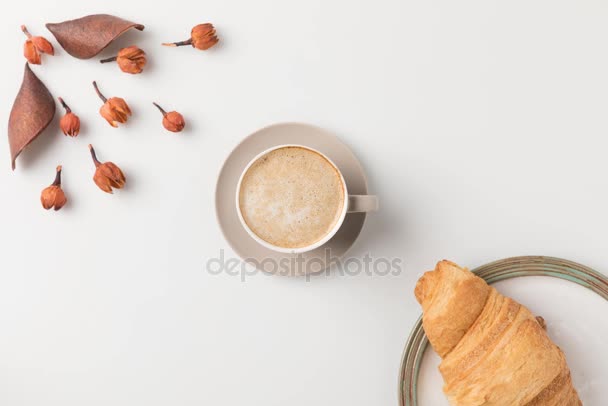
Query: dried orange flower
[[172, 121], [31, 53], [34, 46], [202, 37], [70, 123], [107, 174], [115, 110], [130, 60], [53, 196]]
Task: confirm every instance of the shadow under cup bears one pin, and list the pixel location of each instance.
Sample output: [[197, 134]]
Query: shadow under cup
[[285, 181]]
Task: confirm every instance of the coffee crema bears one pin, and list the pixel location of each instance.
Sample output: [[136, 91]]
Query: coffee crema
[[291, 197]]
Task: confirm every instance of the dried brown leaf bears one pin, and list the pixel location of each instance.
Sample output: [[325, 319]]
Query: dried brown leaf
[[85, 37], [32, 112]]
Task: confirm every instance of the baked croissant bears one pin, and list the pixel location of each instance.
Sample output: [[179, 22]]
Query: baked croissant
[[494, 351]]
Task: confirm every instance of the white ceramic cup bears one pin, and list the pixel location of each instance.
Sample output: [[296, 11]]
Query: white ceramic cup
[[352, 204]]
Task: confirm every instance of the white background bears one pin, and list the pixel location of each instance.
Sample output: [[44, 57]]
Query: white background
[[481, 124]]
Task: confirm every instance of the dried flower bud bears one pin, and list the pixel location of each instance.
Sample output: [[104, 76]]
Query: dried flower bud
[[31, 53], [172, 121], [53, 196], [43, 45], [34, 46], [130, 60], [70, 123], [107, 174], [115, 110], [202, 37]]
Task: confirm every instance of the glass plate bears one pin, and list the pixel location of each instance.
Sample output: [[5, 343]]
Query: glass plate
[[500, 271]]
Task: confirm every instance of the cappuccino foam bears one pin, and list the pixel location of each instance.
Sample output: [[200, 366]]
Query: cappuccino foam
[[291, 197]]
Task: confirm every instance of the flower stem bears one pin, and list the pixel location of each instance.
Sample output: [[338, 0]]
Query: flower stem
[[26, 32], [112, 59], [101, 96], [94, 156], [57, 181], [178, 44], [160, 108], [65, 106]]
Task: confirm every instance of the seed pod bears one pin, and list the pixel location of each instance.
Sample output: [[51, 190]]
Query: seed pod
[[202, 37], [115, 110], [172, 121], [53, 196], [85, 37], [69, 123], [31, 53], [34, 46], [107, 174], [130, 60]]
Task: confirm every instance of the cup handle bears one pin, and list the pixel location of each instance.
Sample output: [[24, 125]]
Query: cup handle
[[362, 203]]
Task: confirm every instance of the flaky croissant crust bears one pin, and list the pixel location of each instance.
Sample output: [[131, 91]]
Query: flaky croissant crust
[[494, 351]]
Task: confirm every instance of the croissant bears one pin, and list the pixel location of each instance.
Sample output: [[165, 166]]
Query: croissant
[[494, 351]]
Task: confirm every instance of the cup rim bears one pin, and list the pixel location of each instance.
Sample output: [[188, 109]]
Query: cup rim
[[287, 250]]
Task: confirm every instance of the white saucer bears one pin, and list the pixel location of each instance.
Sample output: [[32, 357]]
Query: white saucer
[[247, 248]]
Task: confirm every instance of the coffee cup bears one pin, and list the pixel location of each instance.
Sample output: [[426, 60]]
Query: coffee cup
[[293, 199]]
